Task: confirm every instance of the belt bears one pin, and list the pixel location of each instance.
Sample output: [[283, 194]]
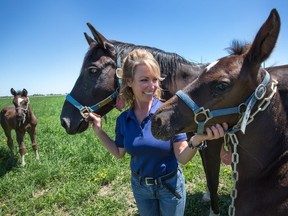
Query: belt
[[160, 181]]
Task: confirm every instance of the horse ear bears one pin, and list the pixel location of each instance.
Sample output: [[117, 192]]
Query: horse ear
[[13, 92], [24, 92], [89, 39], [265, 39], [99, 38]]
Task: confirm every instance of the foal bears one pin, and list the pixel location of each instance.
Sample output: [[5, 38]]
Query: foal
[[20, 118]]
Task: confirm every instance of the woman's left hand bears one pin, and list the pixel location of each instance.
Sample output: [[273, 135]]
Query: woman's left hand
[[215, 132]]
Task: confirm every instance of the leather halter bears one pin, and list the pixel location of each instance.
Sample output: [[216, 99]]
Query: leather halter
[[24, 111], [247, 106], [85, 110]]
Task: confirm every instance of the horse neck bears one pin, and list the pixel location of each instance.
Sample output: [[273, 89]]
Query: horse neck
[[264, 142], [29, 110]]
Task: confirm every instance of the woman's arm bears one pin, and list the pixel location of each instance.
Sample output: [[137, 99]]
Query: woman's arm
[[108, 143], [184, 153]]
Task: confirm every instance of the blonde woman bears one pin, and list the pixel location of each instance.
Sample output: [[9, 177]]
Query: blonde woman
[[157, 181]]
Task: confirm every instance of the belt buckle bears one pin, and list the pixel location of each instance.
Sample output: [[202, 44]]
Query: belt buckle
[[150, 178]]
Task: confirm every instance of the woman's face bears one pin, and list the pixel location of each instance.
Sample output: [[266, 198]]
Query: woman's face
[[144, 84]]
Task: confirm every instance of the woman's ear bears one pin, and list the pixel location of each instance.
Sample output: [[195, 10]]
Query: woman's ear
[[129, 82]]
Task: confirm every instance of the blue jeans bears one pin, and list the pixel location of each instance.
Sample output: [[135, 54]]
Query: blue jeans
[[154, 200]]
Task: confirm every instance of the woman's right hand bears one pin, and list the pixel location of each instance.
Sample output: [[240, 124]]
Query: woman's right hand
[[95, 120]]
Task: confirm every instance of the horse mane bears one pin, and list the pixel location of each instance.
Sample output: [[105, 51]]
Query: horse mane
[[238, 47], [168, 61]]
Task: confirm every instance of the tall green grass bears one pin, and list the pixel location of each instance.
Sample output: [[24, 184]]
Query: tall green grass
[[77, 176]]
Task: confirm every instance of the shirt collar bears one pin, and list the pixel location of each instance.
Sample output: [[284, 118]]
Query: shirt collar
[[156, 103]]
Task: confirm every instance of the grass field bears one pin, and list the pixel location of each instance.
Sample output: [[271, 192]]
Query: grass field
[[76, 176]]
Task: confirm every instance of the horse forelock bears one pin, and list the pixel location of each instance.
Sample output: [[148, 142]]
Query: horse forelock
[[238, 47]]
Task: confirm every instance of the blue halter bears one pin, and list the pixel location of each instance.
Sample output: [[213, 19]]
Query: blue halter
[[85, 110], [258, 94]]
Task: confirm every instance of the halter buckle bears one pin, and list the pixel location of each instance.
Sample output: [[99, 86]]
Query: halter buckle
[[260, 91], [242, 108], [118, 73], [205, 112], [85, 112]]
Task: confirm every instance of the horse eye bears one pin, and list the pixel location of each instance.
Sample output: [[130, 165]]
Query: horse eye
[[222, 86], [92, 69], [184, 75]]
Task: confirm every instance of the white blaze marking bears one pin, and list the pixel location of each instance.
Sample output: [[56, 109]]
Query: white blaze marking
[[211, 65], [19, 101]]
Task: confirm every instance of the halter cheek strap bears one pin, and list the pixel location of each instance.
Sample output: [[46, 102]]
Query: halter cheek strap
[[258, 94], [85, 110]]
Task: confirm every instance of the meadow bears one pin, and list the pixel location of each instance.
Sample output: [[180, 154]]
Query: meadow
[[77, 176]]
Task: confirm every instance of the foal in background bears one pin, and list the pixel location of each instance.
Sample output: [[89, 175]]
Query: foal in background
[[20, 118]]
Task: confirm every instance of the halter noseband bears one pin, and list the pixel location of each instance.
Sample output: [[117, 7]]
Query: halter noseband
[[258, 94], [85, 110], [25, 110]]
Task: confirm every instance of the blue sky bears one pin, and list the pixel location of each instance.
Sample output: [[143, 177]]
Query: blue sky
[[42, 45]]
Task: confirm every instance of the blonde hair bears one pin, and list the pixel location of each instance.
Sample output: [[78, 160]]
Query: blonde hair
[[127, 73]]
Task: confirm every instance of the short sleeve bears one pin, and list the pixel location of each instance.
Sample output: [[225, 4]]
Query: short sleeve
[[180, 137], [119, 139]]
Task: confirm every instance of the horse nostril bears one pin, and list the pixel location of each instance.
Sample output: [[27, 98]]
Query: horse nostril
[[64, 123], [157, 121]]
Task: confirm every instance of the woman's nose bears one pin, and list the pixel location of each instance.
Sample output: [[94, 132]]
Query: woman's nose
[[152, 83]]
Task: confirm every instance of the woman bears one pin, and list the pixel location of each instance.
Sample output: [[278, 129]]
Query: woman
[[157, 181]]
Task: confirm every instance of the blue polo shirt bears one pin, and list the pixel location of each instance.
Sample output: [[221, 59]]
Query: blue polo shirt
[[150, 157]]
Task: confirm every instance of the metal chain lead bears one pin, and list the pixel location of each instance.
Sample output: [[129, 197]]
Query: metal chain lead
[[233, 138], [235, 174]]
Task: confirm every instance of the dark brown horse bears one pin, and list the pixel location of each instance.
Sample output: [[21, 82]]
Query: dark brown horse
[[211, 155], [235, 89], [20, 118]]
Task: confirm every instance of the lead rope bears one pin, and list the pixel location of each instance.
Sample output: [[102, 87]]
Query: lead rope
[[234, 140]]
